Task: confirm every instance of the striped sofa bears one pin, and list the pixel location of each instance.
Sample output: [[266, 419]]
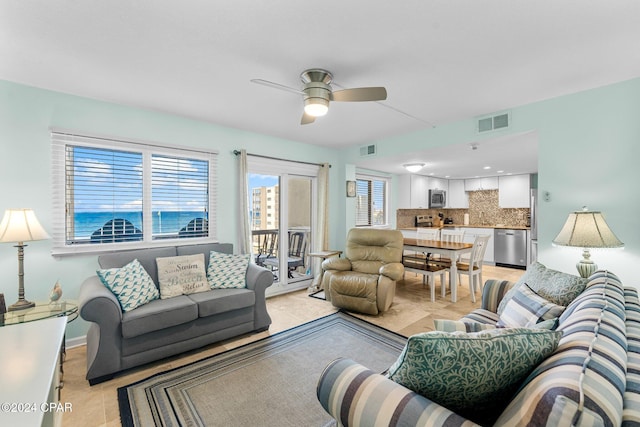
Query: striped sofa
[[591, 379]]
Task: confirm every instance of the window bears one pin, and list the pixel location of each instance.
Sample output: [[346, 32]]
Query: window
[[109, 193], [371, 201]]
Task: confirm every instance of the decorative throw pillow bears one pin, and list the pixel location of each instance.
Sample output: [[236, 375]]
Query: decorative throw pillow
[[474, 374], [131, 285], [179, 275], [227, 271], [526, 308], [555, 286], [461, 326]]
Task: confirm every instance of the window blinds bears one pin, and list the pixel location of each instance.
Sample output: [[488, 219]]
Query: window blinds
[[112, 192]]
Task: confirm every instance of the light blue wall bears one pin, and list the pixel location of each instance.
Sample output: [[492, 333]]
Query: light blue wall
[[27, 113], [589, 154], [589, 146]]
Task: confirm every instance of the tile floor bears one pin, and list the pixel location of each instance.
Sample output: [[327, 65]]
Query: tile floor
[[411, 312]]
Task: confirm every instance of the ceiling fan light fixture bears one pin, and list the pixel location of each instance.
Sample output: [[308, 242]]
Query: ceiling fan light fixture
[[413, 167], [316, 107]]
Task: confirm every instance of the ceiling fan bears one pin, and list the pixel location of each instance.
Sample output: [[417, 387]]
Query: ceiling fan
[[317, 93]]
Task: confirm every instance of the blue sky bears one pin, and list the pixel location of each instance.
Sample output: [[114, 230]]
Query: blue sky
[[111, 180]]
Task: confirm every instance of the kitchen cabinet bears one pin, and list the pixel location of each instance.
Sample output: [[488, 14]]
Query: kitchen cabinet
[[476, 184], [437, 184], [457, 198], [409, 234], [514, 191], [470, 234], [413, 192], [404, 191]]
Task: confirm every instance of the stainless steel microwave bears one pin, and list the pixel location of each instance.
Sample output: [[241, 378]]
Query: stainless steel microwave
[[437, 199]]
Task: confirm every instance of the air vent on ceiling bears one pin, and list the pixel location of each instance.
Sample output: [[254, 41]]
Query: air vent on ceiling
[[495, 122], [368, 150]]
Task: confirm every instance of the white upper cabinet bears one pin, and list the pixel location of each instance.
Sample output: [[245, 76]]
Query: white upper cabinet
[[514, 191], [437, 183], [419, 192], [457, 198], [413, 192], [476, 184]]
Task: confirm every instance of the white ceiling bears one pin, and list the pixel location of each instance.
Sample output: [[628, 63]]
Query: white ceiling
[[441, 61], [506, 155]]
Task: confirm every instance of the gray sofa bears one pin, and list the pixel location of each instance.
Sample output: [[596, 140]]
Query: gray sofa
[[592, 378], [164, 327]]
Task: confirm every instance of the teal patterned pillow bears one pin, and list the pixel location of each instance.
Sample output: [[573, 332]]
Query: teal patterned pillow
[[131, 285], [460, 326], [526, 308], [227, 271], [474, 374]]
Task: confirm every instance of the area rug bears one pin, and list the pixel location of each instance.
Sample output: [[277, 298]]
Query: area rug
[[271, 382], [318, 294]]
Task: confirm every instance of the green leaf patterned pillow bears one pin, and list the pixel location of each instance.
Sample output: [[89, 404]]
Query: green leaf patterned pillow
[[445, 325], [474, 374], [227, 271], [131, 285]]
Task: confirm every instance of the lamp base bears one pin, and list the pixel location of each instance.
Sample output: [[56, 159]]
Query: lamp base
[[21, 304], [586, 269]]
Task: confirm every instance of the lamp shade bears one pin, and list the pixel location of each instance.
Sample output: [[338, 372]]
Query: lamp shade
[[587, 229], [21, 225]]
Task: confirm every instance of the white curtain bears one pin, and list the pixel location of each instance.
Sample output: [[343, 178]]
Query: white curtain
[[244, 230], [321, 237]]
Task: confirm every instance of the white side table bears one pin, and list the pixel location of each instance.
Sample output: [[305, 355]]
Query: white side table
[[324, 255], [30, 364]]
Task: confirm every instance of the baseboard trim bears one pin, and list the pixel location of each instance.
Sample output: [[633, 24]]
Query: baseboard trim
[[76, 342]]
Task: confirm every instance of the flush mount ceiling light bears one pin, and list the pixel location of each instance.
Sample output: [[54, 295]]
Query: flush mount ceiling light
[[413, 167]]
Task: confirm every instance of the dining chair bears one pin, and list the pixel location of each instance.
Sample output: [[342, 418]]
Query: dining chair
[[454, 236], [428, 271], [421, 234], [473, 268]]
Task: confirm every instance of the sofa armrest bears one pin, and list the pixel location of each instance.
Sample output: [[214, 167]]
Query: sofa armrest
[[104, 338], [340, 264], [98, 304], [393, 270], [259, 279], [493, 292], [357, 396]]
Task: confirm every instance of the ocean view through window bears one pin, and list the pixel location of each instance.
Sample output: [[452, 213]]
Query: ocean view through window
[[111, 192]]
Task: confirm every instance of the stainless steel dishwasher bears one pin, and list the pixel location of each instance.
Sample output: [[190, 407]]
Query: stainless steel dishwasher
[[510, 248]]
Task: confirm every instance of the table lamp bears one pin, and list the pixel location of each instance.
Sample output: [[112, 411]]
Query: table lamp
[[19, 226], [588, 230]]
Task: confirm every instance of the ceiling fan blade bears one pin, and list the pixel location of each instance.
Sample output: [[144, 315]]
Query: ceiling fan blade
[[360, 94], [277, 86], [307, 119]]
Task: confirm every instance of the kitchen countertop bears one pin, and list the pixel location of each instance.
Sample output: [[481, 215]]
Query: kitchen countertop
[[500, 226]]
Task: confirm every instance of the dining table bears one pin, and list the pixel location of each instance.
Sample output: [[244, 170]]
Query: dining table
[[451, 250]]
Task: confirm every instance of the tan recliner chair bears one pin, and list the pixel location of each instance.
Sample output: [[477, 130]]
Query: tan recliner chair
[[365, 281]]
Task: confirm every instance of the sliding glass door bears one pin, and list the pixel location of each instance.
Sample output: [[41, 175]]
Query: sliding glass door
[[282, 207]]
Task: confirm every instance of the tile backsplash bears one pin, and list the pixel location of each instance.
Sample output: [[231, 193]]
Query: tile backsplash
[[483, 210]]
